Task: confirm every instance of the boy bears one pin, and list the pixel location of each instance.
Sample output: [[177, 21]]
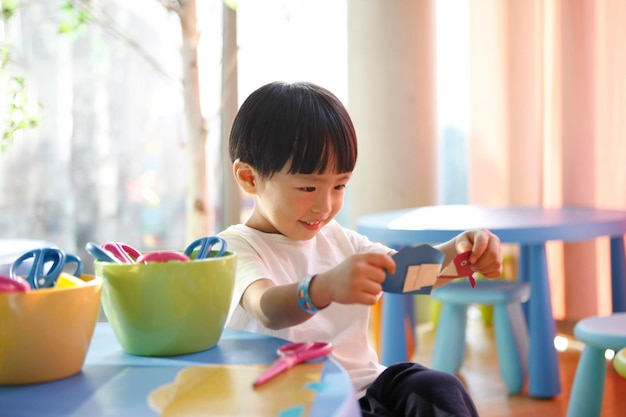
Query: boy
[[303, 277]]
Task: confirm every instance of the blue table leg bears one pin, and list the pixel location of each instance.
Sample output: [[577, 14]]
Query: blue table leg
[[523, 274], [393, 346], [544, 380], [618, 274]]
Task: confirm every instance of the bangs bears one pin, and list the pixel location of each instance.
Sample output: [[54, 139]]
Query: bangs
[[323, 141], [300, 126]]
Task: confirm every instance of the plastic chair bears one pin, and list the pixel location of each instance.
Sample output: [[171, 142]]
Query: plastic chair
[[598, 333], [511, 332]]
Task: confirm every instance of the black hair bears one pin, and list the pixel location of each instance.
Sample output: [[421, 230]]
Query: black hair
[[300, 124]]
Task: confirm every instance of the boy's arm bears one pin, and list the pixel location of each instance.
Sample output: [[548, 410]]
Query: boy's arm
[[357, 280], [274, 306]]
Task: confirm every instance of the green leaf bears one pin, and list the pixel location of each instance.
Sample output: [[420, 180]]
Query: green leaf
[[8, 8], [67, 6], [66, 27]]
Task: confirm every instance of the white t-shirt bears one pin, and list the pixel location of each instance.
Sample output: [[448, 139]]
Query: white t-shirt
[[286, 261]]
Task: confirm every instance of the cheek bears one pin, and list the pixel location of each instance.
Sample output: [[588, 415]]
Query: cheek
[[290, 203], [338, 201]]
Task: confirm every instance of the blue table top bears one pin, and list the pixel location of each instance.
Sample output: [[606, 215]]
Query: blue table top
[[526, 225], [114, 383]]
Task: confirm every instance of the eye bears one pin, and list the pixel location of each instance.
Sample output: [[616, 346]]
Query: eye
[[340, 187], [307, 189]]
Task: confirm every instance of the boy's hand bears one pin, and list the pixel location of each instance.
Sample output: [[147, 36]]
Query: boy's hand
[[357, 280], [486, 257]]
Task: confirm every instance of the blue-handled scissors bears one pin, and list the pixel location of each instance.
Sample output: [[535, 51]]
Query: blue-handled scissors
[[47, 265], [101, 254], [205, 245]]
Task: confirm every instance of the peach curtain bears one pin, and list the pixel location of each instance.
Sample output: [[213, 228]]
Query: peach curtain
[[547, 123]]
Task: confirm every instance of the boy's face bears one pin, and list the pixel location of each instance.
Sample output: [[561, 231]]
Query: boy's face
[[297, 205]]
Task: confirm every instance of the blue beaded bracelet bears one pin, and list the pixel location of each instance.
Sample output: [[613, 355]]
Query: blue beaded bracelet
[[304, 298]]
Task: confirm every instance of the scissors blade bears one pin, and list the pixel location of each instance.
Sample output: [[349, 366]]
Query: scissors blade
[[277, 368]]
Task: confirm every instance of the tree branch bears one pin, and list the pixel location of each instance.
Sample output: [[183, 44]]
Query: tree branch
[[99, 17], [173, 6]]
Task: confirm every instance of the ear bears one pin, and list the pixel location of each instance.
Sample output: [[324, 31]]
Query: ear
[[246, 176]]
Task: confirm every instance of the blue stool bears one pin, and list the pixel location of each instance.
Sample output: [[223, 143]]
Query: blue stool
[[510, 328], [598, 333]]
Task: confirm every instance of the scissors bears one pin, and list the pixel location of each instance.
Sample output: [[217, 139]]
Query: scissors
[[460, 267], [292, 354], [39, 276], [8, 284], [125, 253], [205, 247], [162, 256], [101, 254]]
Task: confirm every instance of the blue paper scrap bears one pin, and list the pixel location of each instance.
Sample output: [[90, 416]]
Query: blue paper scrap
[[417, 268]]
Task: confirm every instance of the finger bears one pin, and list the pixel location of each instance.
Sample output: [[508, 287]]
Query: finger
[[368, 299], [491, 269], [463, 243], [375, 274], [489, 261], [382, 261], [483, 242], [492, 273], [372, 288]]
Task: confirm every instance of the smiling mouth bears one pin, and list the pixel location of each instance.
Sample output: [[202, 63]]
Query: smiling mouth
[[312, 223]]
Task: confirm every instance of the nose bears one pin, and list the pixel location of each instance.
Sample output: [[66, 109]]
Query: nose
[[322, 203]]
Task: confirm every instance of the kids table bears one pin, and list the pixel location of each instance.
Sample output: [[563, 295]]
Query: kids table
[[531, 228], [114, 383]]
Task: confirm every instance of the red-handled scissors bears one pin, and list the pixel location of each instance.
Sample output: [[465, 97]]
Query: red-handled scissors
[[460, 267], [292, 354]]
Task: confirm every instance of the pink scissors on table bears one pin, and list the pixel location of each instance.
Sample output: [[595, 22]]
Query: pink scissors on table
[[292, 354]]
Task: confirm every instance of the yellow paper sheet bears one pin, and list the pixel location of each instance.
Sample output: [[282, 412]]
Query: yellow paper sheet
[[226, 390]]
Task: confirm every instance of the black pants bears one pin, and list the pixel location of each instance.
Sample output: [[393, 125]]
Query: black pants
[[410, 389]]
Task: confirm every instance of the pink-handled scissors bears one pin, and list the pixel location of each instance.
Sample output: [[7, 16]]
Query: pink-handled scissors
[[163, 256], [123, 252], [292, 354], [8, 284]]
